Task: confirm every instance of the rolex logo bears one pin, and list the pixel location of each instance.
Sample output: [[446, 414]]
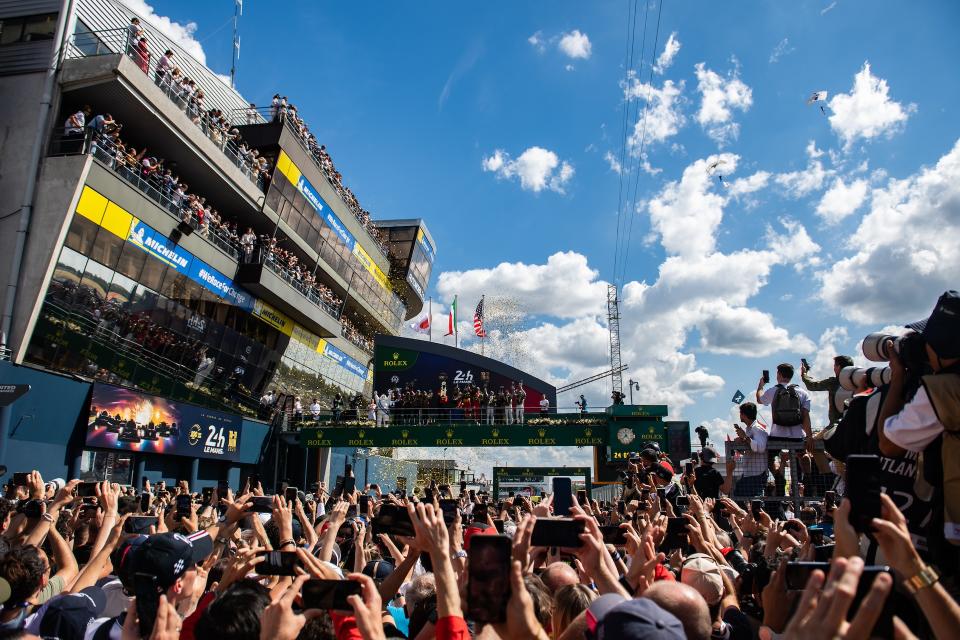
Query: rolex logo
[[405, 433], [495, 432], [319, 434], [449, 433], [542, 432], [362, 434], [651, 430], [396, 355], [588, 432]]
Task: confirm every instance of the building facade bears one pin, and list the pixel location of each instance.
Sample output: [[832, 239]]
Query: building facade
[[171, 238]]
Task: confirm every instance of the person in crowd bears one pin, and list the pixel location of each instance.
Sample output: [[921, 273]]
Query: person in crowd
[[754, 466], [702, 434], [830, 385], [383, 410], [73, 129], [164, 66], [544, 406], [706, 479], [581, 404], [789, 405]]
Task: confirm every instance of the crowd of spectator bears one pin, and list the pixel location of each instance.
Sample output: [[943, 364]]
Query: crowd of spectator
[[281, 110], [461, 403], [352, 331], [298, 274], [190, 98]]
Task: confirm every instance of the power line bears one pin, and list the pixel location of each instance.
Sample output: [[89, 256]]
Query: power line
[[643, 138]]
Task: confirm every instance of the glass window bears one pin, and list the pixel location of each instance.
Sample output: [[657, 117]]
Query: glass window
[[122, 290], [107, 248], [97, 279], [40, 27], [131, 261], [81, 234], [153, 274]]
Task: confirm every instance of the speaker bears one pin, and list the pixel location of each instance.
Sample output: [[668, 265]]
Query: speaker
[[185, 228]]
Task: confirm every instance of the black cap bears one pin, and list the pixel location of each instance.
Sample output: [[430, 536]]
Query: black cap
[[379, 570], [637, 619], [169, 555], [66, 616], [942, 329]]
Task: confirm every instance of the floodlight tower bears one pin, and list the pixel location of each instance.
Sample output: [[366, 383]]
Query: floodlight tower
[[613, 323]]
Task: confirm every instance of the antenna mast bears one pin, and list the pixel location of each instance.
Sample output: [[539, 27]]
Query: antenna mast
[[613, 323], [237, 12]]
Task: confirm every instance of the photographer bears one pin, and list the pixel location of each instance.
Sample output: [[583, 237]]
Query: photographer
[[830, 385], [789, 405], [918, 425], [753, 463]]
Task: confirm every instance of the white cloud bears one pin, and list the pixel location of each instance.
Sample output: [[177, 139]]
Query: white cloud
[[569, 67], [719, 97], [686, 213], [867, 111], [564, 287], [575, 45], [613, 162], [670, 50], [537, 42], [181, 34], [742, 330], [783, 48], [798, 184], [700, 381], [537, 168], [830, 7], [841, 200], [750, 184], [664, 115], [905, 251]]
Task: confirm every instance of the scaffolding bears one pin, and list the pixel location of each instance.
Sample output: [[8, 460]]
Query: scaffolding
[[613, 324]]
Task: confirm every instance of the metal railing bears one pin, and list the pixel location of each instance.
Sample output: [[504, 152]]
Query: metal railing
[[791, 474], [258, 255], [427, 416], [260, 115], [180, 90], [153, 187]]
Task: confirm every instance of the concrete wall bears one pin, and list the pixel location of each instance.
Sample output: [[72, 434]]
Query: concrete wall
[[58, 191]]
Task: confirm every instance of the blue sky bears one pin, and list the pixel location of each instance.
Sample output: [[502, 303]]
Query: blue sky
[[494, 122]]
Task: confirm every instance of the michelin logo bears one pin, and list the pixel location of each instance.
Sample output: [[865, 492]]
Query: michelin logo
[[307, 190], [163, 251]]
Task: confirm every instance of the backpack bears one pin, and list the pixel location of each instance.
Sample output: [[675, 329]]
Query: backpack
[[786, 406]]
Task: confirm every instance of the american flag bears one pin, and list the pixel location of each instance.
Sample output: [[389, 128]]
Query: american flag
[[478, 320]]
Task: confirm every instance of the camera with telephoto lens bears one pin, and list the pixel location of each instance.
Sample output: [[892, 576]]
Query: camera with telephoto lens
[[853, 378], [911, 348]]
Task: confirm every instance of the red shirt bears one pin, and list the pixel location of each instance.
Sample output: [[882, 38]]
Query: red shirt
[[452, 628]]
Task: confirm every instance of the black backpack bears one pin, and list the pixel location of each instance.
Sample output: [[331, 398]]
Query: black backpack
[[786, 406]]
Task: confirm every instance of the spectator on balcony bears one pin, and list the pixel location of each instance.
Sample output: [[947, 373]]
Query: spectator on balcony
[[315, 410], [73, 129], [247, 240], [252, 114], [142, 55], [164, 65], [134, 33]]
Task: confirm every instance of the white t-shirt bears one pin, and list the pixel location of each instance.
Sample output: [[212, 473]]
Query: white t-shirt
[[778, 431], [544, 404], [916, 426], [315, 408]]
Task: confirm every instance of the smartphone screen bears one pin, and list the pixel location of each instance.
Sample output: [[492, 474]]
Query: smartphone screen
[[756, 506], [139, 524], [222, 488], [581, 497], [676, 537], [290, 493], [498, 525], [766, 376], [557, 532], [621, 507], [207, 494], [829, 499], [614, 534], [144, 501], [799, 572], [364, 504], [183, 506], [688, 468], [683, 501], [278, 563], [662, 494], [262, 504], [488, 581], [823, 552], [393, 519], [87, 489], [330, 595], [21, 478], [562, 496], [449, 507], [863, 490], [349, 485]]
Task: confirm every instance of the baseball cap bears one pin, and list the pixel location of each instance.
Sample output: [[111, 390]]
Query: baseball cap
[[664, 471], [379, 570], [703, 574], [66, 616], [942, 329], [475, 529], [708, 454], [169, 555], [121, 558], [611, 616]]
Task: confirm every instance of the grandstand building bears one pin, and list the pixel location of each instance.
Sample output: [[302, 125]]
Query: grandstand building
[[192, 247]]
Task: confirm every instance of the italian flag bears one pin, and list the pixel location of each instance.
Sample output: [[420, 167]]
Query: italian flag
[[452, 318]]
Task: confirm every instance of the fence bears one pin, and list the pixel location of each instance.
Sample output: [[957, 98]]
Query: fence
[[813, 484]]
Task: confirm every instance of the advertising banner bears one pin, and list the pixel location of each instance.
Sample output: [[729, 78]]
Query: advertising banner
[[124, 419], [462, 435], [424, 243], [628, 437]]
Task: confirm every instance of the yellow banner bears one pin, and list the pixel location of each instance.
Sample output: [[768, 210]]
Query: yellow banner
[[273, 317]]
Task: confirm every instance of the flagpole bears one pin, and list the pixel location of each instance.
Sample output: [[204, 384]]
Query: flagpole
[[430, 326], [456, 331]]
